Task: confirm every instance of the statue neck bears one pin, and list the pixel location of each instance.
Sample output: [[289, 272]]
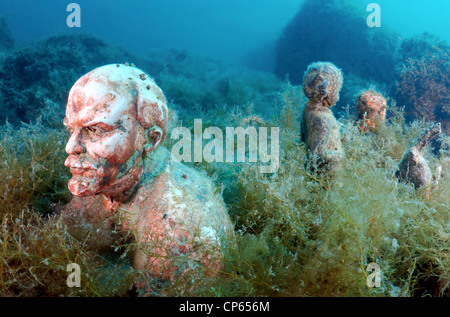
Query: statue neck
[[142, 172]]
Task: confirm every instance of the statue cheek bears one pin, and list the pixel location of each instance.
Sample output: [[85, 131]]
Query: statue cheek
[[109, 148]]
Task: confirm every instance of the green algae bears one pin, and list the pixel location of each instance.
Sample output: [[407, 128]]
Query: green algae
[[298, 232]]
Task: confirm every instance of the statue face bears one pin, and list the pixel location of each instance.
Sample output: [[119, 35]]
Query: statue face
[[104, 136]]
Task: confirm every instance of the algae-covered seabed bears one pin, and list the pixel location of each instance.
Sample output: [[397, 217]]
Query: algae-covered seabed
[[298, 232]]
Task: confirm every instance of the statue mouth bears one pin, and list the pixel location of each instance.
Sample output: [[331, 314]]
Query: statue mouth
[[84, 177], [89, 176]]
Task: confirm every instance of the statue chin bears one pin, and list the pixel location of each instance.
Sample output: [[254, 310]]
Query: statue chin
[[82, 186]]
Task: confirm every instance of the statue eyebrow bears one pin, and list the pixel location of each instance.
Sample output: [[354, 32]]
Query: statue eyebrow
[[100, 124]]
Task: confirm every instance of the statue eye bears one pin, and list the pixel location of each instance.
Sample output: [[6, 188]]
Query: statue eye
[[96, 130]]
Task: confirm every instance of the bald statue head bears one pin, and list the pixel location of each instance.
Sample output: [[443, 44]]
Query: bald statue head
[[116, 115]]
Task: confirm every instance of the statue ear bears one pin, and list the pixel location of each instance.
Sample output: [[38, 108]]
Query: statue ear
[[152, 113], [154, 137]]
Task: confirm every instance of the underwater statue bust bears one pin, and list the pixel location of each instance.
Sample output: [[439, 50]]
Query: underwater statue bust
[[322, 83], [124, 180], [371, 107]]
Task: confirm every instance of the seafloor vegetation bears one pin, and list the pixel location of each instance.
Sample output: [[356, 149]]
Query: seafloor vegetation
[[298, 232]]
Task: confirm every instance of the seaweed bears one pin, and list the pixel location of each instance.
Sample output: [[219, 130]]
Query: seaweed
[[302, 234], [298, 232], [32, 169], [422, 79]]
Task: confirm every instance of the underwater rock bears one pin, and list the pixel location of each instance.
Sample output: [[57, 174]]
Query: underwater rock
[[320, 129], [371, 107], [117, 117], [336, 31], [422, 82], [413, 167], [43, 72]]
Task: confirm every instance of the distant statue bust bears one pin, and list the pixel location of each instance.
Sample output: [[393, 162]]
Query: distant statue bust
[[123, 179], [371, 107], [322, 83]]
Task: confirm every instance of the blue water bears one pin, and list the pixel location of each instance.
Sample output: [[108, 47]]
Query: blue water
[[221, 29]]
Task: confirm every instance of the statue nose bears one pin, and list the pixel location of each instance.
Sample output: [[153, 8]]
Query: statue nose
[[74, 145]]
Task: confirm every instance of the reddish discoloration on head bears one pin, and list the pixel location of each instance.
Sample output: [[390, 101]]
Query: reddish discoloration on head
[[111, 116], [371, 108], [116, 118]]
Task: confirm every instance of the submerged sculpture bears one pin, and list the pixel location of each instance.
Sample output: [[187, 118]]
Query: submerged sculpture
[[371, 107], [320, 129], [125, 181], [413, 167]]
